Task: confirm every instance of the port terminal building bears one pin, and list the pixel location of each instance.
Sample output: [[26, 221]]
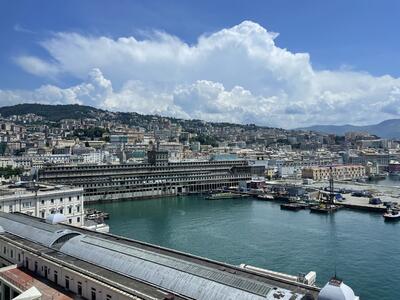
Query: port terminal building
[[80, 263], [157, 177]]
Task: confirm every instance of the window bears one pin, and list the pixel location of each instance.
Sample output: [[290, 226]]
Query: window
[[61, 199], [19, 256], [70, 221], [93, 294], [55, 277], [79, 288], [78, 219], [12, 253], [4, 250], [7, 291], [15, 294], [52, 201], [78, 208], [42, 202], [70, 210], [26, 204], [108, 297], [61, 210], [43, 214], [77, 197], [67, 282], [69, 199]]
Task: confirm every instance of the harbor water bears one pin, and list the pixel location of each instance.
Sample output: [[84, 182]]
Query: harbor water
[[393, 181], [359, 246]]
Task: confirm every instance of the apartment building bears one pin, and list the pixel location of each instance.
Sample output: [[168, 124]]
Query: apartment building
[[342, 172]]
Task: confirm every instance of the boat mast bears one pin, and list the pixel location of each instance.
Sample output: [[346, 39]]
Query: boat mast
[[331, 190]]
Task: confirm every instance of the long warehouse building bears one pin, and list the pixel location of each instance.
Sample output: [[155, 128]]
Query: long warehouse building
[[158, 177], [98, 266]]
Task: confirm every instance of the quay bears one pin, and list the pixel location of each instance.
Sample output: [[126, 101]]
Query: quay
[[362, 203], [298, 193], [160, 177], [157, 178], [350, 202]]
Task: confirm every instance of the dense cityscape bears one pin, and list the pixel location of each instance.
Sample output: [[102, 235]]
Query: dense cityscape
[[51, 166], [167, 150]]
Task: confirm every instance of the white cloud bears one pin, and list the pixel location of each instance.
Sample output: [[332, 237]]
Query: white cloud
[[237, 74], [19, 28], [37, 66], [91, 92]]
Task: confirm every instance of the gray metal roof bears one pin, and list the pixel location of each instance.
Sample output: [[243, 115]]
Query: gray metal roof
[[32, 230], [180, 276], [186, 278]]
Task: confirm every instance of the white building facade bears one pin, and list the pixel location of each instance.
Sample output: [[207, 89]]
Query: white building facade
[[47, 200]]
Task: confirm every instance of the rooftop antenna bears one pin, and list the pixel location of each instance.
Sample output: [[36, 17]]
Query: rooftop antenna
[[335, 269]]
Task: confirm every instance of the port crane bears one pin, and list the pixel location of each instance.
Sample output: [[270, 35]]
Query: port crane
[[327, 205]]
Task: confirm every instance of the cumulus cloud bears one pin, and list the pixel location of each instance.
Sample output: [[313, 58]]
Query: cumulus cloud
[[91, 92], [237, 74]]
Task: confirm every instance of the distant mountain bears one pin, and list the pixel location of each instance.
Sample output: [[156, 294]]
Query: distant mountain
[[385, 129]]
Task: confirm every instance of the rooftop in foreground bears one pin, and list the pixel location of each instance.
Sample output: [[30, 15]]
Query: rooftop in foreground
[[29, 189], [24, 280], [150, 269]]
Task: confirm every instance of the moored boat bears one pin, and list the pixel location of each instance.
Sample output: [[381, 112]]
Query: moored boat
[[324, 209], [392, 215], [94, 214], [267, 197], [292, 206], [227, 195]]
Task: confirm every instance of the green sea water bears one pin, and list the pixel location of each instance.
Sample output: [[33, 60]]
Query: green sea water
[[362, 248]]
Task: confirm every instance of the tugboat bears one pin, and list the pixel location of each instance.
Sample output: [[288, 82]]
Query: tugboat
[[392, 215]]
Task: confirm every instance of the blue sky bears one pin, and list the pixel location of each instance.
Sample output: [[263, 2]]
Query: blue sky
[[355, 36]]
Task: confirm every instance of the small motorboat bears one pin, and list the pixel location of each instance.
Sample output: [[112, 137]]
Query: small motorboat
[[392, 215], [267, 197]]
